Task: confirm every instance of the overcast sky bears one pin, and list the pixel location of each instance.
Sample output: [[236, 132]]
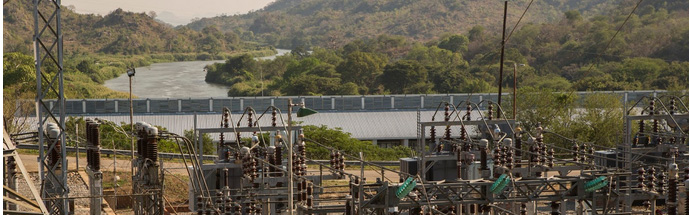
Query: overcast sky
[[175, 12]]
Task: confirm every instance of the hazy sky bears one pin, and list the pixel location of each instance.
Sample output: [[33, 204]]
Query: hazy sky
[[175, 12]]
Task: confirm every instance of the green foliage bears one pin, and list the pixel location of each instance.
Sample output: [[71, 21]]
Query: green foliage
[[305, 65], [119, 32], [602, 112], [326, 56], [19, 79], [544, 106], [289, 24], [208, 147], [550, 81], [454, 43], [571, 47], [244, 89], [114, 134], [406, 77], [566, 114], [343, 141], [18, 68], [242, 73], [362, 68], [304, 73], [98, 48], [111, 134], [476, 33], [313, 85], [236, 69], [564, 47], [19, 82], [573, 16], [435, 58], [212, 40]]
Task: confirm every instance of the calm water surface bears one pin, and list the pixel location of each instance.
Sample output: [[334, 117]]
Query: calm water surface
[[173, 80]]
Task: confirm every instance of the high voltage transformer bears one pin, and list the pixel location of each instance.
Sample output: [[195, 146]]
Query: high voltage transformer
[[148, 178], [93, 166]]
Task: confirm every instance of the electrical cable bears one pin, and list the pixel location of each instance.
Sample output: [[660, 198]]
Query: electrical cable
[[428, 199], [613, 36], [518, 21], [525, 151], [604, 147], [355, 158]]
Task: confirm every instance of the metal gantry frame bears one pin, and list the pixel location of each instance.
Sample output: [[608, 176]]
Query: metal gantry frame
[[632, 154], [440, 196], [529, 189], [49, 85], [531, 185], [428, 153]]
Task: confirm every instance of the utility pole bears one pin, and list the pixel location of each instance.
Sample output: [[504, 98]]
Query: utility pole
[[114, 170], [131, 72], [76, 127], [290, 185], [302, 112], [502, 59]]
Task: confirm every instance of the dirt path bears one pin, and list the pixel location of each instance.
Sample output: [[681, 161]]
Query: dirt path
[[124, 165]]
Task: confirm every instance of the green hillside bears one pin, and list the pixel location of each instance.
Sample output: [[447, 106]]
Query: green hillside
[[119, 32], [98, 48], [292, 23], [619, 50]]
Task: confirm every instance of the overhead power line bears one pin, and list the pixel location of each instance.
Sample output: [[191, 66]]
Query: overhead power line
[[613, 37], [518, 21]]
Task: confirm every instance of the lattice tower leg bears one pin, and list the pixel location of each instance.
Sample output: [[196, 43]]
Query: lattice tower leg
[[49, 85]]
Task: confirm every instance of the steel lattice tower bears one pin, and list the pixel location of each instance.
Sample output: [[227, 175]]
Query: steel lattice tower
[[49, 85]]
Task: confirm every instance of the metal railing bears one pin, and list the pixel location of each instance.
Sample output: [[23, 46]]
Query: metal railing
[[321, 103]]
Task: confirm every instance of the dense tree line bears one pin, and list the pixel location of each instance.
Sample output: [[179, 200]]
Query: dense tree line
[[342, 140], [572, 53]]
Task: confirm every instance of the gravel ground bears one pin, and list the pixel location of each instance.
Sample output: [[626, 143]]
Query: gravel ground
[[76, 185]]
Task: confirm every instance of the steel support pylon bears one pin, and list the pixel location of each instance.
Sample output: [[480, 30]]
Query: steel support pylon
[[49, 85]]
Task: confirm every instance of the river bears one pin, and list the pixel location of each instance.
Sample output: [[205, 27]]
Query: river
[[174, 80]]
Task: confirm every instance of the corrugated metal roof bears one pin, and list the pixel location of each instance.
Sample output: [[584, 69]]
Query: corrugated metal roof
[[377, 125]]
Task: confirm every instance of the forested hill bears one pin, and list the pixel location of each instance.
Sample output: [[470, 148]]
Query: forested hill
[[327, 23], [621, 50], [119, 32], [98, 48]]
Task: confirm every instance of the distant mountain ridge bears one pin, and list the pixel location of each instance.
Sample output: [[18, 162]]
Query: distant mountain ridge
[[292, 23], [119, 32]]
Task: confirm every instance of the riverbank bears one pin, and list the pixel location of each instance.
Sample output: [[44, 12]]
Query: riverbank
[[86, 75], [176, 80]]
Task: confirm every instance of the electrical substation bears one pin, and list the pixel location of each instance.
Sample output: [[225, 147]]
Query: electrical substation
[[493, 165]]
